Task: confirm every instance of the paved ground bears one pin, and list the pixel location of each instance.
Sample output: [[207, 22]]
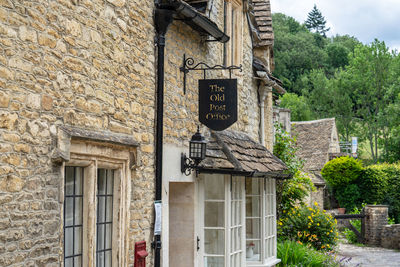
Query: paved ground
[[368, 256]]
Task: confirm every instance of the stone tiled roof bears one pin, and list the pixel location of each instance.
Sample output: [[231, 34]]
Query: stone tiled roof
[[237, 152], [313, 140], [263, 22]]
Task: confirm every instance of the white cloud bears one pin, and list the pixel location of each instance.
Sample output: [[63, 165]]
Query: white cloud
[[364, 19]]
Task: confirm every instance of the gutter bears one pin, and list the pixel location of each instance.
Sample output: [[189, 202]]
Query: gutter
[[198, 21]]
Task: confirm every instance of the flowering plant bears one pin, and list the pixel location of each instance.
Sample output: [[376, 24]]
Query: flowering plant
[[309, 225]]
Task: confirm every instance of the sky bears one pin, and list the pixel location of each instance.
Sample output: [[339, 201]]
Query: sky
[[363, 19]]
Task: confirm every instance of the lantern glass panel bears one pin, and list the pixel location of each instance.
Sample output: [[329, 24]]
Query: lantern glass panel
[[195, 150], [203, 150]]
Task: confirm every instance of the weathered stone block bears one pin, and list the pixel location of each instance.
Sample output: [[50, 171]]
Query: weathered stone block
[[47, 40], [73, 28], [11, 184], [7, 120], [26, 34], [4, 100], [33, 101], [6, 73], [47, 102], [14, 138]]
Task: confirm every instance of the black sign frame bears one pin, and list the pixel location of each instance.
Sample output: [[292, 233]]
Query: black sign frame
[[218, 103]]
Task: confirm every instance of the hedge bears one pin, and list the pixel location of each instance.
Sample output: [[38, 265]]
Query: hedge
[[353, 184]]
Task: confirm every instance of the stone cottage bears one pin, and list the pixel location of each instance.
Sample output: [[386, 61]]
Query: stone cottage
[[76, 131], [317, 140], [85, 128]]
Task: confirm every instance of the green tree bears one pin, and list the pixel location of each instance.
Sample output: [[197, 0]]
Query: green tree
[[316, 22], [300, 110], [296, 51], [369, 70]]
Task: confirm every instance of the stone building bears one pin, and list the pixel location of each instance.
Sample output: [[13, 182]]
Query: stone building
[[76, 100], [78, 134], [317, 141]]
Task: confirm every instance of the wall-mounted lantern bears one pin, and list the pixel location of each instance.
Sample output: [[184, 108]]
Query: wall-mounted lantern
[[197, 152]]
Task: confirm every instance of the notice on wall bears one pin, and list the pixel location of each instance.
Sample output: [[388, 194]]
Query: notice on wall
[[218, 103], [157, 223]]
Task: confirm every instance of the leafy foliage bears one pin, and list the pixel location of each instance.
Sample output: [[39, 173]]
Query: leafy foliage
[[375, 184], [292, 191], [348, 196], [309, 225], [298, 105], [341, 171], [292, 253], [316, 22], [340, 77]]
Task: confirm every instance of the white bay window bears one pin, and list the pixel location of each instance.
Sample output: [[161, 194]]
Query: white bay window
[[239, 226]]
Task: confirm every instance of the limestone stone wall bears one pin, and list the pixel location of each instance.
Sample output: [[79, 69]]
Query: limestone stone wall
[[181, 111], [84, 63], [390, 237]]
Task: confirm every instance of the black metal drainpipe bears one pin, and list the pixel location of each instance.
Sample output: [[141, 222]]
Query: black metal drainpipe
[[162, 19]]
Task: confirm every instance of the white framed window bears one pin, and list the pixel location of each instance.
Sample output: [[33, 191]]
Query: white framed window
[[222, 231], [96, 203], [260, 222], [233, 26], [235, 212]]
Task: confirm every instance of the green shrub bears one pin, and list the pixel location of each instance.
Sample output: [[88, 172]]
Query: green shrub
[[348, 196], [373, 183], [380, 184], [392, 195], [309, 225], [341, 171], [293, 254]]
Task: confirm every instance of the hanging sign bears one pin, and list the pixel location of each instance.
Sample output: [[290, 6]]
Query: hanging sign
[[218, 103]]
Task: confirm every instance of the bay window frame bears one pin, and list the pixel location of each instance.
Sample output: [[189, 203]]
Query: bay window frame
[[268, 201]]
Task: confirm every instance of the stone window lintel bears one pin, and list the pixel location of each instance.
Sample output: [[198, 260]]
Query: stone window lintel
[[61, 153]]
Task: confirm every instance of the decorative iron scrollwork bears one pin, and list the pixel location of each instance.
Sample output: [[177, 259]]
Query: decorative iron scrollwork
[[189, 65]]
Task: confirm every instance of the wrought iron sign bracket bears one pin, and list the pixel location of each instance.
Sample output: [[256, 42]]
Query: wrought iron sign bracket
[[188, 65]]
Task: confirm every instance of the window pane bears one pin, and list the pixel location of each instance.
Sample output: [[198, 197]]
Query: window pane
[[69, 181], [214, 214], [78, 241], [101, 211], [78, 261], [78, 180], [214, 241], [68, 262], [108, 236], [253, 228], [69, 211], [110, 182], [100, 259], [214, 187], [78, 211], [109, 209], [253, 208], [100, 237], [108, 259], [68, 242], [213, 262], [101, 182]]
